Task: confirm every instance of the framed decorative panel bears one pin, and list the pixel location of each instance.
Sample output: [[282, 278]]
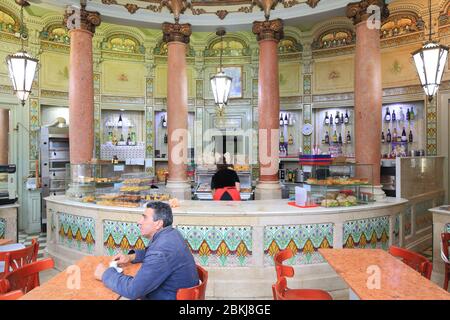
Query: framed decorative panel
[[290, 79], [303, 240], [219, 246], [121, 236], [76, 232], [34, 129], [122, 78], [2, 228], [307, 118], [54, 74], [333, 75], [431, 133], [423, 217], [367, 233], [97, 129], [408, 221]]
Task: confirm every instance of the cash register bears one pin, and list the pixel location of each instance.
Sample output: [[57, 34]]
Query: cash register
[[8, 192]]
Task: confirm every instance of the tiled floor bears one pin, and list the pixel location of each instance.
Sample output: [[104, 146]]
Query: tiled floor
[[25, 239]]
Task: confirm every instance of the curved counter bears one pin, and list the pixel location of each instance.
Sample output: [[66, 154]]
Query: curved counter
[[235, 241]]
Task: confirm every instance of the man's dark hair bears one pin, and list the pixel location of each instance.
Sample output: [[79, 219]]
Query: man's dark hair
[[162, 212]]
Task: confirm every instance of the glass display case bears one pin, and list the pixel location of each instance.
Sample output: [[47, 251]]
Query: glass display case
[[338, 185], [8, 192], [109, 185]]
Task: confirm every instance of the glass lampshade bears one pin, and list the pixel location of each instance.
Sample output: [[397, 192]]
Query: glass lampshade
[[22, 68], [221, 85]]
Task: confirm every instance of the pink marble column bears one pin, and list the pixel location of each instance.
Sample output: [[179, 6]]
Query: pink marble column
[[368, 87], [269, 33], [177, 37], [81, 86], [4, 135]]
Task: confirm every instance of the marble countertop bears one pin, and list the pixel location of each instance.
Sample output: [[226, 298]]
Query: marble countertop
[[8, 206], [238, 208], [442, 211]]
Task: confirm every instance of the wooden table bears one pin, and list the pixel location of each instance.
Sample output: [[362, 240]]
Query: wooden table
[[397, 280], [5, 241], [57, 288]]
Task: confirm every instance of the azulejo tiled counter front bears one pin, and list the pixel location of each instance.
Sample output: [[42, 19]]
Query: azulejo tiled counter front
[[441, 224], [234, 241]]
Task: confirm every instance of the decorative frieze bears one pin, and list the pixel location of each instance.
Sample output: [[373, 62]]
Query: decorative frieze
[[118, 99]]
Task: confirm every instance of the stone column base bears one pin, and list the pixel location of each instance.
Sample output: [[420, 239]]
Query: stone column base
[[179, 189], [266, 190], [378, 193]]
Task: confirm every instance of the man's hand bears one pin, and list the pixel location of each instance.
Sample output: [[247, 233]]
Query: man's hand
[[98, 274], [123, 259]]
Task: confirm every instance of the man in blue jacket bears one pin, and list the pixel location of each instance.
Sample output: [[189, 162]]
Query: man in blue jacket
[[167, 262]]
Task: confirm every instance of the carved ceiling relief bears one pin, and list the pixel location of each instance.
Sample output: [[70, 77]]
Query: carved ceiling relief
[[162, 50], [444, 16], [289, 45], [8, 23], [55, 33], [123, 43], [230, 46], [401, 24], [334, 39]]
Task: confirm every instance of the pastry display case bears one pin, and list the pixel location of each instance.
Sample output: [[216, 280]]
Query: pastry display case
[[339, 185], [109, 185]]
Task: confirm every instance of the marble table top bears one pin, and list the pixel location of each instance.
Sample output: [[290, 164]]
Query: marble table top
[[444, 209], [90, 288], [359, 267], [5, 241]]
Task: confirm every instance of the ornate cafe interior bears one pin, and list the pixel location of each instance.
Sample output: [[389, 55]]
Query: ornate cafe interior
[[224, 150]]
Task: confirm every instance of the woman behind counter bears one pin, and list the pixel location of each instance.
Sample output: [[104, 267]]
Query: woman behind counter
[[225, 184]]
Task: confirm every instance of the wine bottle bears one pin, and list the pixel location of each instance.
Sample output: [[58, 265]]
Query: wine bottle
[[291, 139], [165, 138], [346, 118], [110, 136], [121, 137], [120, 122], [349, 138], [408, 115], [340, 138], [411, 114], [388, 136], [281, 120], [327, 119], [164, 124], [394, 118], [382, 137], [404, 138], [335, 137], [401, 114], [331, 119], [286, 120], [394, 135], [282, 138], [129, 139], [387, 116], [336, 118], [133, 138], [327, 138], [411, 136]]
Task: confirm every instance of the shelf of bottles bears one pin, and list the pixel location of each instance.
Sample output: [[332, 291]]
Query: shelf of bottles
[[334, 134], [402, 127], [289, 142], [122, 135]]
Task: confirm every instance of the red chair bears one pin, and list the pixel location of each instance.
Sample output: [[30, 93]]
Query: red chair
[[25, 278], [280, 290], [16, 259], [13, 295], [445, 244], [196, 292], [414, 260]]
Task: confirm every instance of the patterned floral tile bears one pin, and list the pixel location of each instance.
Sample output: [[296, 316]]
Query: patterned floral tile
[[367, 233], [76, 232]]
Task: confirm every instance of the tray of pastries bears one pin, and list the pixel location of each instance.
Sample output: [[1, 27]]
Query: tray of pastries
[[246, 190], [339, 199], [137, 181], [134, 189], [337, 181]]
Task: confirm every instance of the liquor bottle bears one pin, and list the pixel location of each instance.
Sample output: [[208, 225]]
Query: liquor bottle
[[164, 122], [282, 138], [327, 119], [394, 118], [291, 139], [121, 137], [411, 136], [346, 118], [114, 139], [286, 120], [120, 122], [165, 138], [133, 138], [110, 136], [349, 138], [342, 118], [387, 116], [382, 137], [335, 137], [281, 120], [331, 119], [408, 115], [340, 138], [404, 138], [327, 138], [388, 136], [401, 114], [394, 135], [129, 139], [336, 118], [411, 114]]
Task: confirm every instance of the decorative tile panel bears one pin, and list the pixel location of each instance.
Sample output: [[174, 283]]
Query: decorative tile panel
[[423, 217], [34, 129], [149, 135], [97, 129], [303, 240], [367, 233], [408, 221], [396, 239], [2, 228], [307, 118], [307, 84], [122, 237], [431, 112], [447, 228], [219, 246], [76, 232]]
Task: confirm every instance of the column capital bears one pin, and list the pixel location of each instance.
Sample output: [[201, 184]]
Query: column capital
[[268, 30], [176, 32], [357, 11], [82, 19]]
